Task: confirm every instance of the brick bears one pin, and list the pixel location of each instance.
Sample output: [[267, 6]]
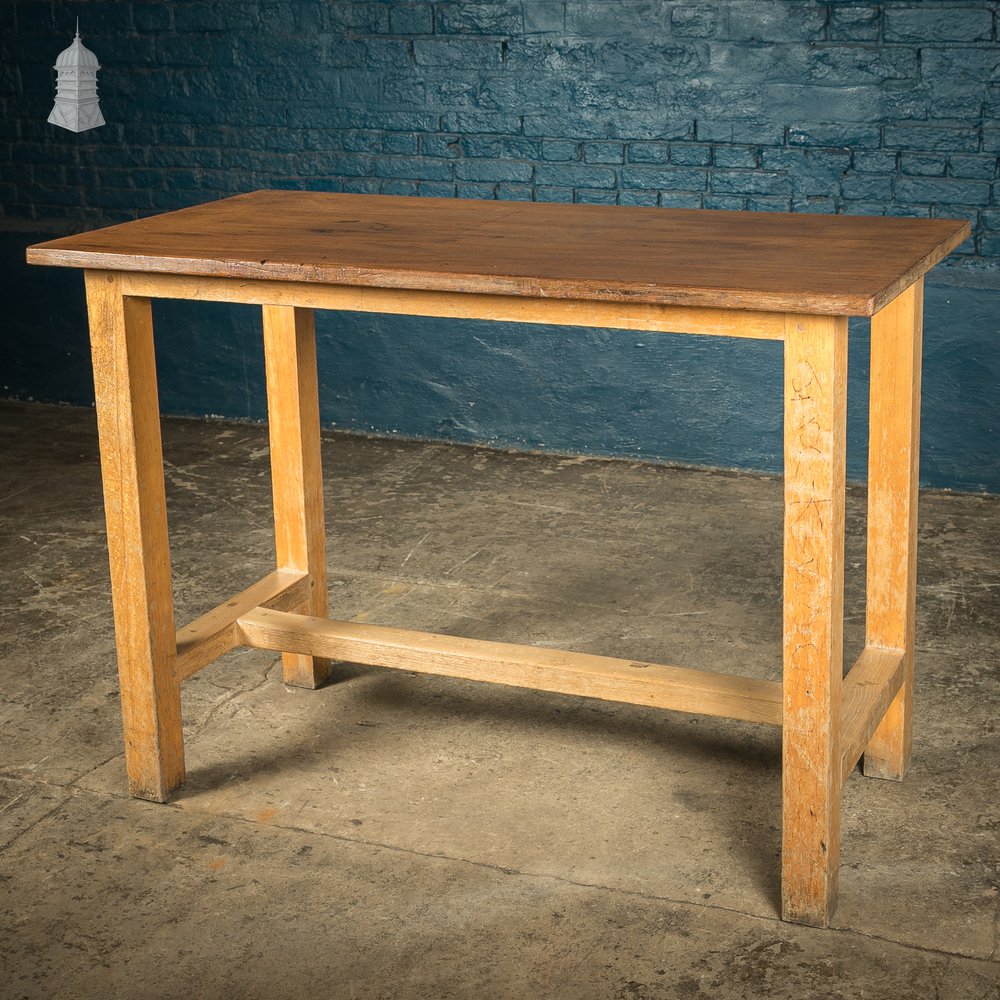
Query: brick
[[747, 157], [466, 189], [681, 199], [553, 193], [665, 178], [690, 154], [867, 187], [502, 17], [354, 18], [398, 142], [989, 245], [493, 170], [467, 52], [192, 50], [749, 182], [497, 123], [362, 140], [854, 23], [560, 150], [603, 152], [514, 192], [589, 196], [411, 19], [103, 17], [599, 18], [768, 203], [810, 171], [950, 138], [548, 16], [875, 161], [741, 131], [776, 22], [908, 211], [990, 218], [360, 185], [152, 15], [284, 17], [341, 164], [942, 24], [180, 156], [649, 152], [393, 186], [647, 198], [695, 21], [576, 175], [853, 134], [501, 147], [435, 189], [565, 125], [412, 167], [958, 69], [440, 145], [980, 167], [394, 121], [333, 184], [725, 202], [923, 164], [817, 206], [942, 190], [650, 124]]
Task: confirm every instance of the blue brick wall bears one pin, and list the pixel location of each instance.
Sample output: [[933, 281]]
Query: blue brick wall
[[789, 105]]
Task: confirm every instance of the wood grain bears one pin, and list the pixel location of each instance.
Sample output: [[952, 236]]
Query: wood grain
[[584, 674], [296, 467], [214, 633], [815, 452], [893, 458], [840, 265], [869, 688], [135, 507], [463, 305]]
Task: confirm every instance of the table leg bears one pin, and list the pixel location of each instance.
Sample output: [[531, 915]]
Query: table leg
[[296, 467], [128, 421], [893, 453], [815, 447]]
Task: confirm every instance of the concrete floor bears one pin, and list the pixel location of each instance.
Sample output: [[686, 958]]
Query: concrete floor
[[401, 836]]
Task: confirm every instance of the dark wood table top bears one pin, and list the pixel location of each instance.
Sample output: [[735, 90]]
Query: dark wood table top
[[841, 265]]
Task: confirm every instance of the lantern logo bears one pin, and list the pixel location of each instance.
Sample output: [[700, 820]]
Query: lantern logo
[[76, 106]]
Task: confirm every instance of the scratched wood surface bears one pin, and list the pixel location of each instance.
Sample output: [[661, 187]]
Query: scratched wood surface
[[838, 265]]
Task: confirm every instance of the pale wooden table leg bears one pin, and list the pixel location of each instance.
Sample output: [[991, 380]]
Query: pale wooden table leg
[[296, 467], [121, 332], [893, 453], [815, 446]]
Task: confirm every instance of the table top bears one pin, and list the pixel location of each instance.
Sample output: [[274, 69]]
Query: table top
[[775, 261]]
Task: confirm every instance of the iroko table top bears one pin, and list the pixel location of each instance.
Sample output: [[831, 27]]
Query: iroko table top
[[840, 265]]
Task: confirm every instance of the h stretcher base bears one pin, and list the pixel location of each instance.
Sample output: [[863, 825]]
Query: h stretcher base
[[292, 253]]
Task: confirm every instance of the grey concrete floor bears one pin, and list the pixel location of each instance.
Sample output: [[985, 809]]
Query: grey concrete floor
[[404, 836]]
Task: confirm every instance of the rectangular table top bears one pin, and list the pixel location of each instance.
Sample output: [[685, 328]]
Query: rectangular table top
[[786, 262]]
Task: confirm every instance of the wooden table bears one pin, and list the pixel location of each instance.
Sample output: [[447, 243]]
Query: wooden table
[[794, 278]]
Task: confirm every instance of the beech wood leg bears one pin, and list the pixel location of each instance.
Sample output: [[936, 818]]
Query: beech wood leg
[[296, 467], [893, 454], [128, 421], [815, 446]]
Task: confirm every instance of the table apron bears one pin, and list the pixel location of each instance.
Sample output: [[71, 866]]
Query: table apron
[[642, 316]]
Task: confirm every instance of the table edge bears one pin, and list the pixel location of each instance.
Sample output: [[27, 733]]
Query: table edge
[[516, 286]]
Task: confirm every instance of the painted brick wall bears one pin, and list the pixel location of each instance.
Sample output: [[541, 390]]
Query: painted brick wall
[[747, 104]]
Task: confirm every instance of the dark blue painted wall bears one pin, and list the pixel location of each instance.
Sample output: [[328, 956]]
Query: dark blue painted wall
[[787, 105]]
